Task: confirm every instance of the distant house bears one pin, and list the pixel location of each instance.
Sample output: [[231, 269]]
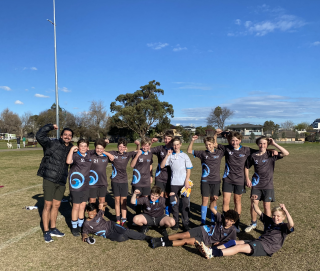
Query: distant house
[[289, 135], [191, 128], [246, 129], [316, 124]]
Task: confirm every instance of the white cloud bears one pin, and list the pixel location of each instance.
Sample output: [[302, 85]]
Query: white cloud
[[33, 68], [316, 43], [5, 88], [64, 89], [32, 87], [237, 22], [179, 48], [41, 96], [18, 102], [247, 24], [26, 89], [157, 45]]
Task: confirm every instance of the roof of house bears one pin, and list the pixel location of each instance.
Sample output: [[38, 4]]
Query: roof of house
[[245, 125]]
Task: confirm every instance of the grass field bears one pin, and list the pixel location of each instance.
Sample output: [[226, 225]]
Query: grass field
[[22, 247]]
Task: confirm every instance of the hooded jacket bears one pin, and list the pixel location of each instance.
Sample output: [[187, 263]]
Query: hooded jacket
[[53, 166]]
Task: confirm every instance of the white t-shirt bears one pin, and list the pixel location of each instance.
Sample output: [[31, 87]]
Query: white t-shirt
[[179, 163]]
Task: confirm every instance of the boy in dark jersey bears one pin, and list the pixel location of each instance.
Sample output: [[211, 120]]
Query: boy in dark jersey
[[210, 179], [142, 170], [95, 224], [262, 179], [119, 179], [98, 176], [153, 207], [80, 161], [267, 244], [223, 232]]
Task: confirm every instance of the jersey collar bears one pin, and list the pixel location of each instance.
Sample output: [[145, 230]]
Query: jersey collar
[[157, 201], [78, 152], [144, 152], [176, 153]]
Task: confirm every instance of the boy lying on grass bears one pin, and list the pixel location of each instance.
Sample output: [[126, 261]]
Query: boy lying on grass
[[95, 224], [268, 243], [222, 232]]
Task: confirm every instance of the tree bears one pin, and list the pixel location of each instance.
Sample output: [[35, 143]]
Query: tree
[[98, 120], [283, 135], [287, 125], [275, 135], [252, 136], [297, 136], [185, 135], [10, 122], [218, 116], [270, 126], [302, 126], [141, 109], [201, 131], [25, 123], [162, 125]]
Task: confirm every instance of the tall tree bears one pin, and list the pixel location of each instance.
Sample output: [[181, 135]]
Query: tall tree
[[252, 136], [287, 125], [141, 109], [10, 122], [218, 116], [201, 131], [270, 126], [98, 118], [162, 125], [302, 126]]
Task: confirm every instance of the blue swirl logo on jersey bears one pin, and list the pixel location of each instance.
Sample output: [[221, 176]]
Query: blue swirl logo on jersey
[[158, 171], [76, 183], [255, 179], [205, 170], [208, 230], [136, 178], [93, 179], [226, 171], [242, 155], [114, 172], [263, 161]]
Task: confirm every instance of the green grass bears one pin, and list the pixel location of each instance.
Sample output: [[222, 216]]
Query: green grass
[[296, 184]]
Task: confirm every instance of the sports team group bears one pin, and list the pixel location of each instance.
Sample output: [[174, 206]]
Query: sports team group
[[158, 205]]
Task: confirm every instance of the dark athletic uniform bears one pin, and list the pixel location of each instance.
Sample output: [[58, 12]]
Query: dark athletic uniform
[[153, 211]]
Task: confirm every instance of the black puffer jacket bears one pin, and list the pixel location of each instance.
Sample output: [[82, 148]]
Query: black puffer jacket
[[53, 166]]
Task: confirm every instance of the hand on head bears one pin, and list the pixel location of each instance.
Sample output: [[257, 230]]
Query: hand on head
[[195, 137]]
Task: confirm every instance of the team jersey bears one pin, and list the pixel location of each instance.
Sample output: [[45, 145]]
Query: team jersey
[[263, 169], [273, 238], [218, 233], [98, 225], [119, 166], [179, 163], [153, 209], [162, 174], [79, 172], [98, 174], [210, 162], [235, 163], [141, 171]]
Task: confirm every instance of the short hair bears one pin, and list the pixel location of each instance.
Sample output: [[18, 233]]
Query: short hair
[[176, 139], [278, 209], [262, 137], [91, 207], [83, 140], [234, 134], [146, 141], [155, 190], [232, 215], [169, 133], [101, 142], [122, 141], [209, 139], [66, 129]]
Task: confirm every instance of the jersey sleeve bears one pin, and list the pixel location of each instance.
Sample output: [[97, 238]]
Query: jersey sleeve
[[168, 160], [197, 154], [221, 147], [91, 152], [154, 150], [141, 201], [188, 162], [162, 202], [86, 229], [265, 219], [277, 157], [249, 162], [285, 229], [218, 217], [252, 150]]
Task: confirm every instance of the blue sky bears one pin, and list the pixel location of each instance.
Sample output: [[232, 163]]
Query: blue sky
[[258, 58]]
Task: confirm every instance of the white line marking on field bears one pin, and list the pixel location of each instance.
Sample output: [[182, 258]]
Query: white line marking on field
[[16, 191], [22, 235]]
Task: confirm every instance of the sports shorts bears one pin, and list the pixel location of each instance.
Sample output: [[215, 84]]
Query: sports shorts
[[99, 192], [119, 189], [257, 248], [80, 196], [153, 221], [197, 234], [144, 191], [53, 191], [265, 195], [233, 188], [210, 190]]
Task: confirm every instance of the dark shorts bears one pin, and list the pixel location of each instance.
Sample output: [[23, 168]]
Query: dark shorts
[[53, 191], [165, 187], [196, 233], [119, 189], [79, 197], [257, 248], [233, 188], [144, 191], [99, 192], [153, 221], [210, 190], [265, 195]]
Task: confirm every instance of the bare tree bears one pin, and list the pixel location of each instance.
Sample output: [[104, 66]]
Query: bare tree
[[10, 122], [287, 125], [25, 123], [218, 116], [98, 117]]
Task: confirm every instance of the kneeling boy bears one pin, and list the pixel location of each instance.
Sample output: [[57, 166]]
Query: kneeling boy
[[223, 232], [95, 224], [267, 244], [153, 208]]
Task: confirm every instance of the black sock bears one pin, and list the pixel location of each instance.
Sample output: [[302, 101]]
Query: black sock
[[117, 217], [164, 239], [168, 243], [217, 253]]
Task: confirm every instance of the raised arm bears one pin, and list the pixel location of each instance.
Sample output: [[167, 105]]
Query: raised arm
[[70, 155], [290, 220], [282, 149], [256, 208], [42, 134], [190, 147], [134, 196], [164, 161], [216, 133], [135, 159]]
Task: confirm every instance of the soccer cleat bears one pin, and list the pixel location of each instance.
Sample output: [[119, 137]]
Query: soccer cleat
[[203, 249], [155, 243], [75, 232], [124, 224], [55, 232], [47, 237], [250, 227], [118, 222]]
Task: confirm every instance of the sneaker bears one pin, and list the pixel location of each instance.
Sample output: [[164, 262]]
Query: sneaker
[[75, 232], [203, 249], [144, 229], [124, 224], [55, 232], [118, 222], [155, 243], [250, 227], [175, 227], [47, 237]]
